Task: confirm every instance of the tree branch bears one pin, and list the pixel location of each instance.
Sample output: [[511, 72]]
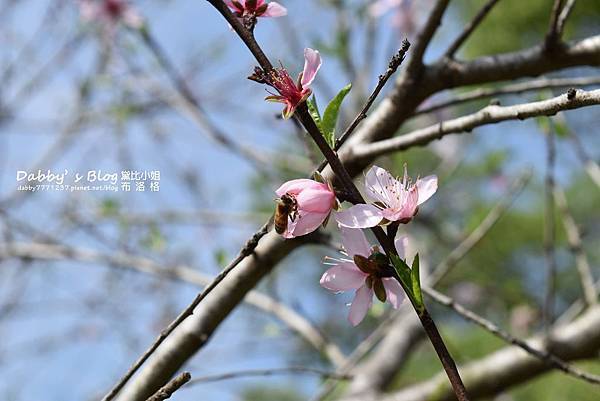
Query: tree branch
[[574, 239], [489, 115], [521, 87], [186, 274], [171, 387], [469, 29]]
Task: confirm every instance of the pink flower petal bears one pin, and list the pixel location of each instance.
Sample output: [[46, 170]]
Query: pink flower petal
[[315, 200], [379, 183], [394, 292], [427, 187], [274, 10], [401, 244], [312, 63], [295, 186], [307, 222], [343, 277], [355, 242], [360, 305], [359, 216]]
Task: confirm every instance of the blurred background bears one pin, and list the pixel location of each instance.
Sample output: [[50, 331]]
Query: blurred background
[[77, 96]]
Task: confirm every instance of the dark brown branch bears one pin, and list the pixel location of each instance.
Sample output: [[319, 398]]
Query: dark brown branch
[[562, 18], [478, 19]]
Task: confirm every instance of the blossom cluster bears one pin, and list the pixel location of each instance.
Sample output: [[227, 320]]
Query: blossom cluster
[[361, 268]]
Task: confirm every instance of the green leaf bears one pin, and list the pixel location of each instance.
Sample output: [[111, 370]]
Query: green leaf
[[416, 284], [313, 109], [403, 272], [331, 115]]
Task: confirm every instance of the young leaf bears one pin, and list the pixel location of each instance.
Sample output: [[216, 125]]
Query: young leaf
[[416, 284], [331, 115], [404, 273], [313, 109]]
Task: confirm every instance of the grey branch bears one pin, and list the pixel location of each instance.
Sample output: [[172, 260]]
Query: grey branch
[[521, 87], [270, 372], [489, 115], [479, 17], [574, 239]]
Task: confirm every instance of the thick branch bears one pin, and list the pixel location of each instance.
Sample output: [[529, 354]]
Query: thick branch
[[510, 365]]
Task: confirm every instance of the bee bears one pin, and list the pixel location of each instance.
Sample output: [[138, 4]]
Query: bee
[[286, 206]]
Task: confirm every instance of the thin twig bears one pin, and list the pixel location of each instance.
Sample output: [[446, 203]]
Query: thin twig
[[574, 239], [270, 372], [521, 87], [246, 250], [552, 37], [547, 357], [55, 251], [383, 79], [562, 18], [444, 267], [171, 387], [189, 103], [549, 230], [478, 19], [590, 166], [425, 35]]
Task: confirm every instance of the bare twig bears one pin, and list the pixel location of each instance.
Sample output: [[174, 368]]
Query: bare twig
[[521, 87], [562, 18], [383, 79], [552, 37], [257, 299], [191, 105], [425, 35], [590, 166], [444, 267], [478, 19], [246, 250], [544, 355], [171, 387], [574, 239], [549, 230], [270, 372], [488, 115]]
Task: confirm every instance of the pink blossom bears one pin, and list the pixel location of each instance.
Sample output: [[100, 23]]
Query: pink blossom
[[395, 200], [293, 93], [256, 8], [358, 270], [312, 203], [110, 13]]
